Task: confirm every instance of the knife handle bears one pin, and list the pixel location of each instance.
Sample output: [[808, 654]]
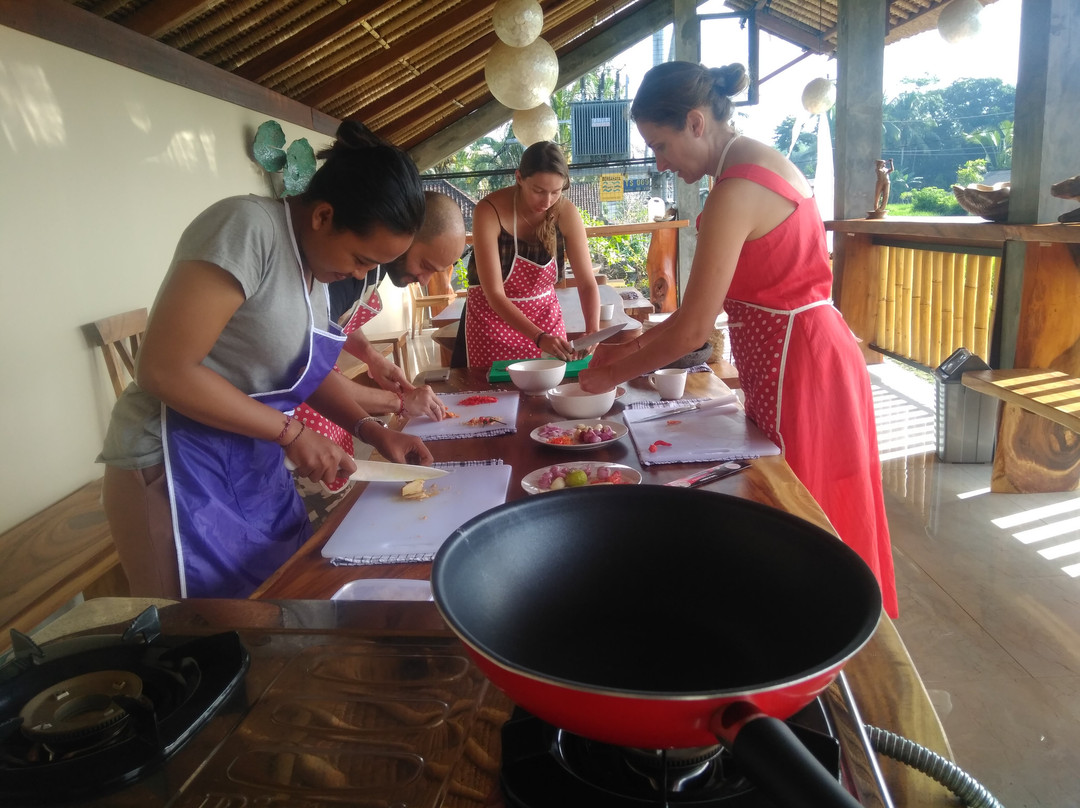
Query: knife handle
[[726, 470]]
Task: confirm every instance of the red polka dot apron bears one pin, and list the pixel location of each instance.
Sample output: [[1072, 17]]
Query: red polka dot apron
[[236, 514], [803, 375], [312, 419], [530, 287]]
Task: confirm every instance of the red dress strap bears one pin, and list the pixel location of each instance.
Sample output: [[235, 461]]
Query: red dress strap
[[765, 178]]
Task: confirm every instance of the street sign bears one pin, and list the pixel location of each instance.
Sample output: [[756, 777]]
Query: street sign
[[611, 187]]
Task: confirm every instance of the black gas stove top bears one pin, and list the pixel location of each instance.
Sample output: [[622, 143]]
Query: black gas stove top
[[309, 704], [88, 716]]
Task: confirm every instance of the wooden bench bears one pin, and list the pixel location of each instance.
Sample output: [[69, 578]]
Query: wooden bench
[[52, 557], [1050, 393], [1032, 454]]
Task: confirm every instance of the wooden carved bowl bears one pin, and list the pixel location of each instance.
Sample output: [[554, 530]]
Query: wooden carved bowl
[[988, 201]]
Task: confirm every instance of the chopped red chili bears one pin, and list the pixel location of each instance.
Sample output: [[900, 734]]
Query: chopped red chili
[[652, 448], [473, 401]]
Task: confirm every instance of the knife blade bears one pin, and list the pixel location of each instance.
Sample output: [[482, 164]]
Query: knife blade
[[712, 403], [370, 471], [597, 336], [373, 471]]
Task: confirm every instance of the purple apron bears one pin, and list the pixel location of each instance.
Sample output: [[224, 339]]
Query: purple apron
[[236, 514]]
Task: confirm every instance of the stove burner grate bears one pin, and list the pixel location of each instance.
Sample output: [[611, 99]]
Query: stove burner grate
[[544, 765], [81, 717]]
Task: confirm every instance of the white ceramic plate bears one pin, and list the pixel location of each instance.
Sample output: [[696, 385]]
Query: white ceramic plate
[[619, 429], [530, 482]]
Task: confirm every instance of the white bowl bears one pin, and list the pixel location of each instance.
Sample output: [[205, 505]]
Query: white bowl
[[570, 401], [536, 375]]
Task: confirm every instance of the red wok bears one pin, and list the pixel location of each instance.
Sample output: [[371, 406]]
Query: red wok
[[659, 617]]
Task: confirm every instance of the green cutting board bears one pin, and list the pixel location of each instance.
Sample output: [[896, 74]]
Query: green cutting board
[[498, 372]]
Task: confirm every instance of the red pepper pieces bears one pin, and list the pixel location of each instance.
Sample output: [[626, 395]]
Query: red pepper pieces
[[652, 448]]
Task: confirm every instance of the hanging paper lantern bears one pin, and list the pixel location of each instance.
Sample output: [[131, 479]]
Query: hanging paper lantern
[[959, 20], [522, 78], [533, 125], [818, 96], [517, 22]]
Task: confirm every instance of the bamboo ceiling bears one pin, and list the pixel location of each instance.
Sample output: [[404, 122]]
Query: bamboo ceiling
[[409, 68]]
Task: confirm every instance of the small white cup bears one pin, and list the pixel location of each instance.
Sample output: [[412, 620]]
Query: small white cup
[[607, 311], [669, 382]]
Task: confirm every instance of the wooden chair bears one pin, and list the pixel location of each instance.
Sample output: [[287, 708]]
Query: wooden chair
[[118, 337], [423, 303]]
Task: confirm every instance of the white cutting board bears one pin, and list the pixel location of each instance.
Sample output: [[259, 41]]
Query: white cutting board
[[383, 528], [703, 436], [505, 409]]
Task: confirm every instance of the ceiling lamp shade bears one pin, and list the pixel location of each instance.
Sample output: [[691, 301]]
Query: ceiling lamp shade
[[959, 20], [517, 22], [818, 96], [522, 78], [533, 125]]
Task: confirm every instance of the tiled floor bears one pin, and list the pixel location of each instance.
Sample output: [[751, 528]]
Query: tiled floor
[[989, 605], [989, 602]]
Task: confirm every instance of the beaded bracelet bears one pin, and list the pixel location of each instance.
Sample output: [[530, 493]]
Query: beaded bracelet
[[539, 337], [362, 421], [296, 437], [284, 429], [401, 407]]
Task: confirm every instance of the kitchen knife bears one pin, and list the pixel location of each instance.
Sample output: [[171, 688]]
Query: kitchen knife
[[712, 403], [597, 336], [372, 471], [711, 475]]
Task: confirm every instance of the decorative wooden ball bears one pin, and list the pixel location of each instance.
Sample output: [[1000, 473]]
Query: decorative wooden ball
[[517, 22], [959, 20], [818, 96], [522, 78], [533, 125]]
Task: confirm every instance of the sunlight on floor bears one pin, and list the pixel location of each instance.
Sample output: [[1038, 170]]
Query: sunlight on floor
[[905, 419]]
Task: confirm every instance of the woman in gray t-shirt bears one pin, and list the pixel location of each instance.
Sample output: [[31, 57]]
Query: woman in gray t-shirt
[[196, 489]]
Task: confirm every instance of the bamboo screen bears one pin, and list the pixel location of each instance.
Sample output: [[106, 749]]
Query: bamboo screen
[[931, 303]]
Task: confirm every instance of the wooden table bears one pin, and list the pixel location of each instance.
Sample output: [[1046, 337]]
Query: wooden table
[[888, 689]]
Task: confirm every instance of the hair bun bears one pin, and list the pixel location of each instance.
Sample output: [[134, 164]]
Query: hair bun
[[730, 80], [351, 136]]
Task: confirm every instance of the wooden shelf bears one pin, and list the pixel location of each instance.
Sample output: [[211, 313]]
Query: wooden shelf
[[959, 229]]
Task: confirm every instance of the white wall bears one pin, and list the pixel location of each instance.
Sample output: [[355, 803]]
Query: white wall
[[101, 168]]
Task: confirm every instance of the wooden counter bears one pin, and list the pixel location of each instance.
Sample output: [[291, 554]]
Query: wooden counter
[[886, 685]]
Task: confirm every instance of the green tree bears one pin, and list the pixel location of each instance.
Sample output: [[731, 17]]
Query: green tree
[[925, 132], [996, 141]]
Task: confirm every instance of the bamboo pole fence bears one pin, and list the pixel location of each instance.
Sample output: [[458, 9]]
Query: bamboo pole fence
[[932, 302]]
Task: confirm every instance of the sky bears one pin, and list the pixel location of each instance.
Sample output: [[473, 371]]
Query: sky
[[992, 53]]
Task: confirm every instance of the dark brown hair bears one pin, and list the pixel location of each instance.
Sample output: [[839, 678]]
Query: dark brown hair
[[671, 89], [368, 182]]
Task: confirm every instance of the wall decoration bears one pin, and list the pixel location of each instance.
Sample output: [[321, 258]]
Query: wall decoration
[[296, 164]]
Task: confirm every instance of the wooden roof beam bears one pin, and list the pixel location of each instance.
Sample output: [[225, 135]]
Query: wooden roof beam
[[160, 16], [307, 40]]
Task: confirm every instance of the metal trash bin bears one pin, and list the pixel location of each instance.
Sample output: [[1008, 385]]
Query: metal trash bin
[[965, 420]]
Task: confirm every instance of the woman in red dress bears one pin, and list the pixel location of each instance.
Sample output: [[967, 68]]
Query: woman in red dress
[[520, 235], [761, 257]]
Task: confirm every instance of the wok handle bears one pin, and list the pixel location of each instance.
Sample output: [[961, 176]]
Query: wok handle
[[778, 763]]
